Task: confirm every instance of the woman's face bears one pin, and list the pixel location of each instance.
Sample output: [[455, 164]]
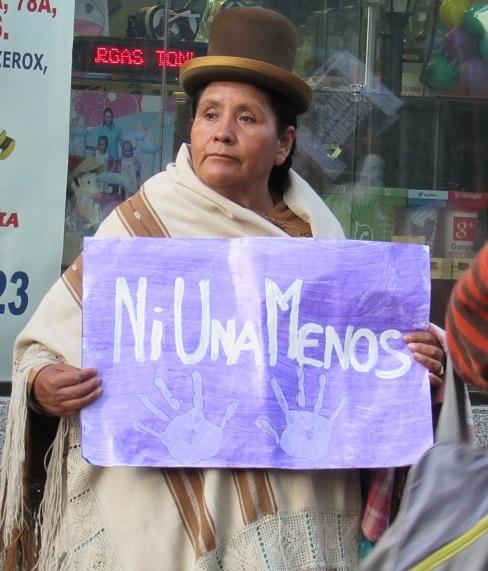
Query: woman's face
[[234, 140]]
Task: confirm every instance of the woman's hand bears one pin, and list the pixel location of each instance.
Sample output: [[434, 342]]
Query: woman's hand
[[427, 350], [62, 390]]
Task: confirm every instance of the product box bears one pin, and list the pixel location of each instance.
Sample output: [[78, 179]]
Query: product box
[[440, 268], [404, 239], [424, 208], [462, 219], [459, 266], [375, 211], [340, 203]]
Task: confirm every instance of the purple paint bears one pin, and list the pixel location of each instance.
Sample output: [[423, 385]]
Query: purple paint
[[233, 352]]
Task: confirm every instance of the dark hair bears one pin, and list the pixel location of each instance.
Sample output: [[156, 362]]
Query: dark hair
[[103, 138], [108, 110], [285, 117]]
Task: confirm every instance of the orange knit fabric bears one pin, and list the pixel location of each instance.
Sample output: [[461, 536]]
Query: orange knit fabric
[[467, 323]]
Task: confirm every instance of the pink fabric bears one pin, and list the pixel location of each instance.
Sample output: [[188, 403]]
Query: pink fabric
[[376, 515]]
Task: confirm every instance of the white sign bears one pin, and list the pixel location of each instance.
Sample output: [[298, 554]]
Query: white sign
[[36, 38]]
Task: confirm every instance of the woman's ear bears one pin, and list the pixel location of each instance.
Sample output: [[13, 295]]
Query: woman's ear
[[285, 143]]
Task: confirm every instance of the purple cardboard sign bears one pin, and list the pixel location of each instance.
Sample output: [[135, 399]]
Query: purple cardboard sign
[[255, 352]]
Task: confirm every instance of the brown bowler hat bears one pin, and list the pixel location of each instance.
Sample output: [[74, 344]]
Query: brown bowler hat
[[250, 45]]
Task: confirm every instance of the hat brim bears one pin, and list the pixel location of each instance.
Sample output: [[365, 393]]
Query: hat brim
[[200, 71]]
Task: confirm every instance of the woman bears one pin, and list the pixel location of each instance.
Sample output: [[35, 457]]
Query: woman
[[232, 181]]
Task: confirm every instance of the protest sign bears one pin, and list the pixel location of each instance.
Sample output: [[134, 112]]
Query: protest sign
[[255, 352]]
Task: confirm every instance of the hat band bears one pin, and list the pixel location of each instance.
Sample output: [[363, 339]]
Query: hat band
[[262, 68]]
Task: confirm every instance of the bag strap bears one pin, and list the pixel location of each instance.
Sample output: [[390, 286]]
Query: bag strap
[[452, 426]]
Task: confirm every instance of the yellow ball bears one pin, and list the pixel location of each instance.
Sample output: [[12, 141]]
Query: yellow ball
[[451, 12]]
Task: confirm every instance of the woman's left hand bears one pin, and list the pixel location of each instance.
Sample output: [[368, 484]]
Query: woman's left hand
[[427, 350]]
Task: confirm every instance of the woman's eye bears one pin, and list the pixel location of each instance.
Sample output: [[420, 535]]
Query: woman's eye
[[246, 119], [209, 115]]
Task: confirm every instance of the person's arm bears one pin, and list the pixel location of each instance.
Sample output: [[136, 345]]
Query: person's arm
[[120, 139], [63, 390], [467, 323], [47, 371], [427, 349]]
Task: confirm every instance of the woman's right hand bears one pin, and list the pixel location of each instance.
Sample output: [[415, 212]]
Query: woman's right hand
[[62, 390]]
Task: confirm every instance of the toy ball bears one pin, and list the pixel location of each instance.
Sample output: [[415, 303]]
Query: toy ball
[[460, 45], [473, 74], [451, 12], [441, 73], [476, 18]]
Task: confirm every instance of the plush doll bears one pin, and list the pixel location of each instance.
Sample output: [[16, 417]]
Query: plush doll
[[83, 183]]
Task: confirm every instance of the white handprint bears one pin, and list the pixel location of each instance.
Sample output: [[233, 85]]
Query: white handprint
[[307, 434], [189, 437]]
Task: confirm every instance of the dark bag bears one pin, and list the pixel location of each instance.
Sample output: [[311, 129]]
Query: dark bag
[[443, 520]]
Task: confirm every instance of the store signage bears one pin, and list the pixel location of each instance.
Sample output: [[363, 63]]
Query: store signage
[[462, 220], [35, 76], [9, 219], [132, 56], [116, 56], [301, 365]]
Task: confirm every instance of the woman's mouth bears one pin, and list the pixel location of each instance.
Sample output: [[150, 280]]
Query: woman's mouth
[[221, 157]]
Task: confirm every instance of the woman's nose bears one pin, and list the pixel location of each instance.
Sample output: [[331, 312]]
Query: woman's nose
[[224, 131]]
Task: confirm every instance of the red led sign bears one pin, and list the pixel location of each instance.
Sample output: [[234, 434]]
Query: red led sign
[[134, 57], [120, 56]]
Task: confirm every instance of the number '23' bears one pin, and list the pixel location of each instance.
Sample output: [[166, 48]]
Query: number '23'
[[21, 280]]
